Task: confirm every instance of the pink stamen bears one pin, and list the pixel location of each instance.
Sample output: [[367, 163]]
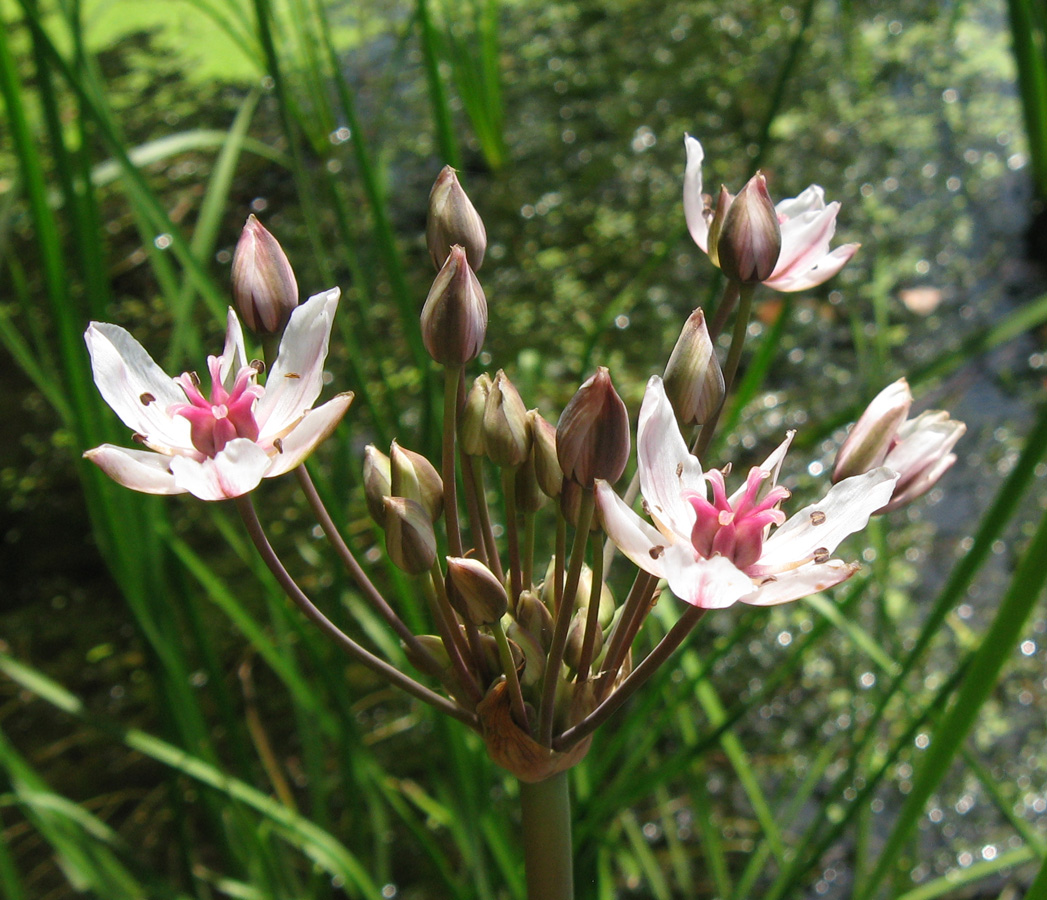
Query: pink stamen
[[227, 415]]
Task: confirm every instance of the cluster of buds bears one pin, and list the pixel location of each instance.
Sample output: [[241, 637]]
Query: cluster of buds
[[534, 657]]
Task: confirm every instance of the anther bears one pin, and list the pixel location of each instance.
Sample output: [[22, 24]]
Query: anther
[[821, 555], [770, 579], [195, 379], [656, 551], [726, 470], [817, 518], [679, 469], [258, 366], [292, 375], [139, 438], [279, 445], [147, 398]]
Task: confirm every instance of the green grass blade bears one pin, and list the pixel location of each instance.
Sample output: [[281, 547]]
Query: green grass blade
[[989, 659], [955, 880]]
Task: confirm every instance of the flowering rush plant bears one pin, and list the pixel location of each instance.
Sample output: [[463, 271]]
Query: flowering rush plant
[[532, 654]]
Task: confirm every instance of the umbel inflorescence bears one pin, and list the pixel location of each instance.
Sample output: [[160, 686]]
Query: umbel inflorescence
[[534, 654]]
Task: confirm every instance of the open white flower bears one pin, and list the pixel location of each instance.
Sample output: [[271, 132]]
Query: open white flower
[[716, 552], [807, 225], [219, 446]]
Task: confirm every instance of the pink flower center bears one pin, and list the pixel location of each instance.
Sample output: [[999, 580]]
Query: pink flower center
[[226, 415], [735, 532]]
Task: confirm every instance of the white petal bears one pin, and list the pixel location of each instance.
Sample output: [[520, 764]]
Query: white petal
[[237, 469], [667, 469], [140, 470], [820, 272], [234, 356], [708, 583], [693, 203], [801, 582], [821, 526], [805, 241], [632, 535], [813, 197], [314, 427], [137, 389], [297, 376]]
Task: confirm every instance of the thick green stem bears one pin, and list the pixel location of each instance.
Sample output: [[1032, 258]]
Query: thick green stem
[[548, 860]]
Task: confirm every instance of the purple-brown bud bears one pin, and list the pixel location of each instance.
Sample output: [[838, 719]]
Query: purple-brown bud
[[412, 476], [592, 436], [453, 220], [454, 318], [476, 594], [750, 241], [507, 433], [716, 217], [264, 287], [409, 537], [693, 379]]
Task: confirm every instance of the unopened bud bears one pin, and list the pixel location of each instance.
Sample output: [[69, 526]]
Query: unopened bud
[[592, 436], [264, 287], [543, 448], [532, 651], [507, 433], [529, 496], [409, 536], [471, 417], [716, 217], [584, 594], [873, 434], [922, 454], [534, 615], [377, 482], [436, 648], [748, 246], [453, 220], [414, 477], [454, 318], [693, 379], [576, 637], [571, 504], [477, 595]]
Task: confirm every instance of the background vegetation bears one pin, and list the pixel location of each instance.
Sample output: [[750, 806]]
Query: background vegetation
[[168, 728]]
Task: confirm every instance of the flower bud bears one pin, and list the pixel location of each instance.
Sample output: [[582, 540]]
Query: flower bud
[[716, 217], [921, 455], [693, 379], [264, 287], [453, 220], [454, 318], [543, 450], [873, 434], [592, 436], [576, 637], [571, 505], [529, 496], [507, 433], [477, 594], [412, 476], [748, 246], [436, 648], [377, 483], [585, 587], [532, 651], [409, 537], [534, 616], [471, 417]]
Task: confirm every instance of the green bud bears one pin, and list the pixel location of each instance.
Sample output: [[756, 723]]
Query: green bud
[[436, 648], [534, 616], [507, 434], [576, 637], [532, 651], [693, 379], [377, 483], [543, 449], [414, 477], [453, 220], [471, 417], [477, 594], [409, 537]]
